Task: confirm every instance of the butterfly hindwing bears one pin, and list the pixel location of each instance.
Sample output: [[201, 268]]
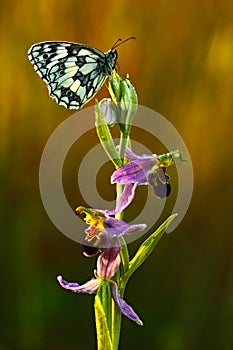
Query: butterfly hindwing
[[73, 72]]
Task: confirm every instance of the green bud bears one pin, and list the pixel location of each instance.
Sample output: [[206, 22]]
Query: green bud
[[115, 87]]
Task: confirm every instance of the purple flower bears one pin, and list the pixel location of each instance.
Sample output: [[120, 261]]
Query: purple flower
[[143, 170], [104, 230], [107, 265]]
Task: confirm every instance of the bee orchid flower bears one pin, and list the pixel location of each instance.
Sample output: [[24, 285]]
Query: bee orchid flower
[[145, 170], [107, 265]]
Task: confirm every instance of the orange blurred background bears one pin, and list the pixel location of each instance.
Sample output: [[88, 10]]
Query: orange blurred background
[[182, 66]]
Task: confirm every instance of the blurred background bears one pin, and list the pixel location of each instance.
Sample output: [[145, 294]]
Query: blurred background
[[182, 66]]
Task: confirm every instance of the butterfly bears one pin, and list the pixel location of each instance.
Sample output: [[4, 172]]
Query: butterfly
[[73, 72]]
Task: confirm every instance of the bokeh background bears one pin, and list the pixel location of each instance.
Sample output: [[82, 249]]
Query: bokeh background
[[182, 66]]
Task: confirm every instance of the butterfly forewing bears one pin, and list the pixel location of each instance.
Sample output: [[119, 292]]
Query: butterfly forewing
[[73, 72]]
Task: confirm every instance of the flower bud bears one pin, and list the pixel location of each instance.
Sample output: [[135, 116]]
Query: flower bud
[[109, 110]]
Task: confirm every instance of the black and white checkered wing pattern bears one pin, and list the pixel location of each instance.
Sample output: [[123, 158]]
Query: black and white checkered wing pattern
[[73, 72]]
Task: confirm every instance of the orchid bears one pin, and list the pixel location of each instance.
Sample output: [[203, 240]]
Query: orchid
[[107, 265], [106, 231], [146, 170]]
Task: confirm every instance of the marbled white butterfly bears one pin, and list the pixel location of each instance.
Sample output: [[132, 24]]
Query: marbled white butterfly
[[73, 72]]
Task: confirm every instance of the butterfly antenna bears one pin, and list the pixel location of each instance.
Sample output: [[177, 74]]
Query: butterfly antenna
[[120, 41]]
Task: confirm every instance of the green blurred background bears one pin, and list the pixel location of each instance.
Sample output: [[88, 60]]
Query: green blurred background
[[182, 66]]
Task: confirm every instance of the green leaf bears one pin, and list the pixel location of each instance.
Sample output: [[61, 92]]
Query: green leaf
[[103, 336], [105, 136], [146, 248]]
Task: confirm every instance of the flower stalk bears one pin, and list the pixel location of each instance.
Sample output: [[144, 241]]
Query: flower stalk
[[106, 229]]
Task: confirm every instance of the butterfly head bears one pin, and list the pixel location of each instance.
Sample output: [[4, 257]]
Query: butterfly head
[[111, 60], [112, 54]]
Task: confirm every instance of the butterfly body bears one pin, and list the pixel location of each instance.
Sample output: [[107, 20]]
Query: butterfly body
[[73, 72]]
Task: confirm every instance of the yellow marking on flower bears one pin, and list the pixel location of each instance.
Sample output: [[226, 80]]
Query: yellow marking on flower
[[96, 221], [156, 165]]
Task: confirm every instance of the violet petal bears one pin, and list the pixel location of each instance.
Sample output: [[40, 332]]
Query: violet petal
[[108, 262], [89, 287], [123, 306], [125, 199], [131, 172], [132, 156], [115, 227]]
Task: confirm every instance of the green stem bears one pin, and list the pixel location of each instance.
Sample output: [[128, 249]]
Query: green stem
[[119, 189], [124, 254], [122, 92], [104, 293], [116, 313], [123, 143], [116, 326]]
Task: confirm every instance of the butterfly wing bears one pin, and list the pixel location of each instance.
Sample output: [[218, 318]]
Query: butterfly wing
[[73, 72]]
